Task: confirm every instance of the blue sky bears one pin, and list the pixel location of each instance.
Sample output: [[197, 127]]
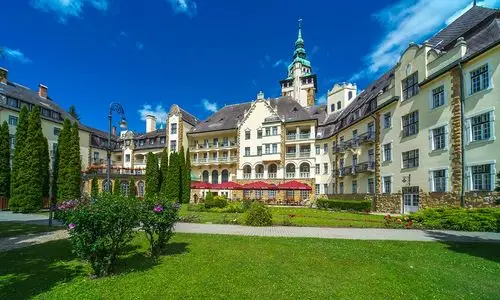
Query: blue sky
[[202, 54]]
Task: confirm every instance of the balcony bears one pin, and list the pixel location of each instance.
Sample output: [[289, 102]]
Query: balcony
[[367, 137], [304, 174], [116, 171], [272, 175], [259, 175], [305, 154], [344, 171], [339, 148], [368, 166], [300, 136], [213, 146], [290, 175], [215, 160], [305, 136], [291, 137], [247, 175], [290, 154]]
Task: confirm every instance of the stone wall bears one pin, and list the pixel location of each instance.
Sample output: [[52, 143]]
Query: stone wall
[[456, 132], [390, 203]]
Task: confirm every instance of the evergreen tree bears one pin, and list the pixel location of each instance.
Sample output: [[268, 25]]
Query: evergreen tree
[[55, 170], [4, 161], [17, 161], [186, 183], [75, 167], [164, 172], [31, 176], [117, 187], [73, 113], [94, 188], [152, 175], [63, 161], [182, 172], [45, 168], [173, 176], [131, 187]]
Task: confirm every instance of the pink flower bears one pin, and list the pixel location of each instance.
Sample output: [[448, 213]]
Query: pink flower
[[71, 226], [158, 208]]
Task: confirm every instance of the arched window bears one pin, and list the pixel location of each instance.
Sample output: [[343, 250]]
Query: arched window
[[332, 107], [140, 189], [272, 169], [104, 186], [259, 171], [339, 105], [304, 170], [215, 177], [124, 188], [205, 176], [247, 172], [224, 176], [349, 95], [290, 171]]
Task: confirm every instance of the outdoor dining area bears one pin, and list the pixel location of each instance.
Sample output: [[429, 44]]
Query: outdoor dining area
[[286, 193]]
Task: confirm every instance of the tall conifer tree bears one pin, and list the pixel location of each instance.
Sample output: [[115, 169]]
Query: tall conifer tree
[[173, 176], [182, 172], [75, 166], [131, 187], [45, 168], [63, 161], [186, 190], [4, 161], [152, 175], [18, 160], [164, 172], [94, 188]]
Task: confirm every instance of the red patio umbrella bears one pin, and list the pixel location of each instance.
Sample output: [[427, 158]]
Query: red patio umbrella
[[258, 185], [228, 185], [200, 185], [293, 185]]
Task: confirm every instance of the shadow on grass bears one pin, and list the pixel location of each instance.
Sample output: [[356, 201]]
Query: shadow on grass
[[475, 246], [30, 271]]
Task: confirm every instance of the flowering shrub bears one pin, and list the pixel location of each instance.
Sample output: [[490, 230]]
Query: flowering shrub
[[158, 218], [64, 208], [258, 215], [473, 219], [398, 222], [100, 230]]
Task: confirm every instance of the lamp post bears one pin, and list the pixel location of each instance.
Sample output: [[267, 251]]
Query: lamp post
[[113, 107]]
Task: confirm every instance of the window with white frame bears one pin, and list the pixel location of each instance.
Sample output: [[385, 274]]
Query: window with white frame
[[247, 194], [481, 126], [354, 186], [268, 131], [247, 134], [481, 177], [387, 120], [479, 79], [267, 148], [387, 184], [271, 194], [410, 86], [13, 120], [387, 154], [318, 150], [410, 124], [410, 159], [259, 150], [438, 180], [275, 148], [173, 146], [259, 133], [304, 195], [317, 169], [275, 130], [438, 96], [325, 168], [258, 194], [371, 185], [325, 188], [438, 138], [173, 128], [325, 148], [316, 189], [247, 151], [341, 188]]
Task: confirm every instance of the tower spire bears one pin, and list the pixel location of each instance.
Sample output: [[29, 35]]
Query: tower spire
[[300, 29]]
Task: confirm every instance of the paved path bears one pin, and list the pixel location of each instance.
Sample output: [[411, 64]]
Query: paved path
[[21, 241], [39, 219]]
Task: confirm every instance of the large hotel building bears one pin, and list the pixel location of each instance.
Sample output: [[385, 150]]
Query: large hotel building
[[423, 134]]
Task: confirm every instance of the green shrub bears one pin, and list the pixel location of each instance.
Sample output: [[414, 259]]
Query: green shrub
[[231, 207], [479, 219], [258, 215], [246, 204], [158, 217], [99, 230], [357, 205], [217, 201]]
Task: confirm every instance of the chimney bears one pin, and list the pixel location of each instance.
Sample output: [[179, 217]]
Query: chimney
[[150, 123], [3, 75], [113, 130], [42, 91]]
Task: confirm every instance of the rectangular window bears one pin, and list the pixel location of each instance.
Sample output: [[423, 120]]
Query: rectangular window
[[410, 124], [410, 86], [304, 195], [267, 148], [481, 127], [268, 131], [410, 159], [259, 150], [387, 120], [325, 188], [318, 150], [247, 151], [275, 148], [259, 133], [13, 102], [173, 128], [325, 168], [481, 177], [479, 79], [371, 128], [354, 186], [316, 189], [173, 145], [438, 96], [271, 194], [439, 180], [45, 112], [127, 157], [162, 140], [247, 135], [341, 188], [13, 120], [386, 184], [317, 169], [12, 141], [275, 130], [438, 138], [258, 194], [247, 194], [354, 134], [354, 160], [57, 130], [290, 194], [371, 186], [371, 155], [325, 148]]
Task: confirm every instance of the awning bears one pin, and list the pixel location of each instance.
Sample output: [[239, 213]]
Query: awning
[[200, 185], [258, 185], [228, 185], [293, 185]]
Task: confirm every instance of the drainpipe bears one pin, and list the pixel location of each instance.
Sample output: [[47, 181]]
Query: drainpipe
[[375, 181], [462, 139]]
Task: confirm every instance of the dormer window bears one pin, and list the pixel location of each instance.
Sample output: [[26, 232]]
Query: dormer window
[[349, 95], [339, 105], [332, 107]]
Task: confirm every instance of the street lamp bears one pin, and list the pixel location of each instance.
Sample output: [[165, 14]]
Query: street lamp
[[113, 107]]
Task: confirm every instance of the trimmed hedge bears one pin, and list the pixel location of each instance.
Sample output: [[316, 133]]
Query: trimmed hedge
[[344, 204], [258, 215], [217, 201], [479, 219]]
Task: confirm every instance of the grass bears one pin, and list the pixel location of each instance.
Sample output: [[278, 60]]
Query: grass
[[9, 229], [297, 216], [239, 267]]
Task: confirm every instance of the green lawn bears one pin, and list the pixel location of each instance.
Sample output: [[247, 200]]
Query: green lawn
[[238, 267], [8, 229], [298, 217]]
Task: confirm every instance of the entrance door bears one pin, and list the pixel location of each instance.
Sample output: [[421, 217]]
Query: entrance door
[[410, 199]]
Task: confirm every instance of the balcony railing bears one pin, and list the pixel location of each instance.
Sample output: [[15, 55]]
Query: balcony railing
[[259, 175], [290, 154], [367, 137], [247, 175], [339, 148], [305, 153], [207, 146], [368, 166], [117, 171], [344, 171], [305, 136], [213, 160], [290, 175], [300, 136], [304, 174], [272, 175]]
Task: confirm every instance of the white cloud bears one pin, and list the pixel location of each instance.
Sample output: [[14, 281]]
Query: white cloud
[[410, 21], [187, 7], [280, 62], [210, 106], [14, 55], [322, 99], [159, 112], [123, 33], [139, 45], [65, 9]]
